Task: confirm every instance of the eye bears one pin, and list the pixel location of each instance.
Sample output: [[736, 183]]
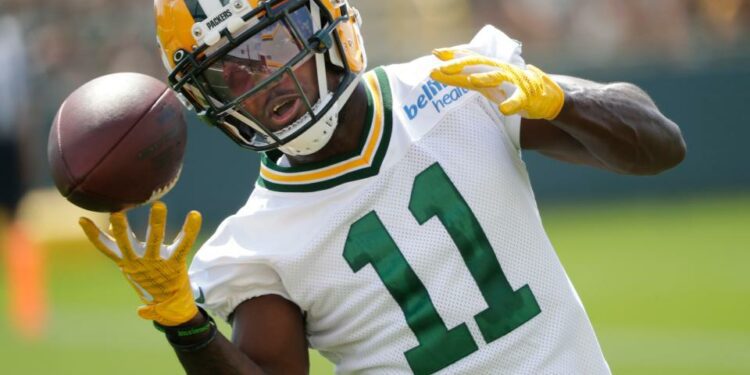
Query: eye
[[238, 78]]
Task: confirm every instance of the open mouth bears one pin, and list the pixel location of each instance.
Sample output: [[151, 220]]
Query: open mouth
[[284, 110]]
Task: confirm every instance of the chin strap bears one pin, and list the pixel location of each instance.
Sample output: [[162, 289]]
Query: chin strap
[[318, 135]]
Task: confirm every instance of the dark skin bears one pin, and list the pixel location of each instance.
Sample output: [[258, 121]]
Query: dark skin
[[616, 127], [345, 139], [268, 337]]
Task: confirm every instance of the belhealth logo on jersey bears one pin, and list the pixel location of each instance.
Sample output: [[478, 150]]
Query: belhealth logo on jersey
[[434, 95]]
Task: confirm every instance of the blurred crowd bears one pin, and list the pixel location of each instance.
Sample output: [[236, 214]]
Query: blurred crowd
[[677, 31], [72, 41], [584, 33]]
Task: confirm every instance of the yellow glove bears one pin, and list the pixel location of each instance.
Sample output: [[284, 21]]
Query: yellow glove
[[157, 272], [537, 96]]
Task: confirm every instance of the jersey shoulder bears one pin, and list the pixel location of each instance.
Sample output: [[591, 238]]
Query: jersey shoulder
[[243, 258], [419, 102]]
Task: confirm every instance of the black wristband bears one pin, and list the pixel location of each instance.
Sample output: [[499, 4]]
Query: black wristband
[[180, 337]]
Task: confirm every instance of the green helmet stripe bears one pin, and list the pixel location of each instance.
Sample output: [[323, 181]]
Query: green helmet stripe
[[196, 10]]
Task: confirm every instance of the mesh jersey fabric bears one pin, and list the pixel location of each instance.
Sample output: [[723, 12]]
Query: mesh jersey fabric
[[295, 236]]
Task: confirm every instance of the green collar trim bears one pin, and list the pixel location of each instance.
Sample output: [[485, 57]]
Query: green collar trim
[[268, 159]]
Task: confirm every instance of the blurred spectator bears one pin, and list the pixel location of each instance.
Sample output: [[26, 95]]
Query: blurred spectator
[[13, 114], [24, 262], [725, 18]]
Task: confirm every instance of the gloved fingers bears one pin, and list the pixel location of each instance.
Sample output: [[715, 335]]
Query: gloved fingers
[[514, 104], [490, 79], [538, 72], [495, 94], [446, 54], [492, 92], [123, 235], [103, 242], [457, 80], [188, 235], [157, 223], [458, 65]]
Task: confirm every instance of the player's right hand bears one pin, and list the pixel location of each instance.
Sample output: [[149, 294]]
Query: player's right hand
[[536, 96], [157, 272]]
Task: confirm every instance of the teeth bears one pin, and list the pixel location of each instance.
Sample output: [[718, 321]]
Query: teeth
[[278, 106]]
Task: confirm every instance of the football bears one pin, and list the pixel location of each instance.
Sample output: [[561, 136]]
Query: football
[[117, 142]]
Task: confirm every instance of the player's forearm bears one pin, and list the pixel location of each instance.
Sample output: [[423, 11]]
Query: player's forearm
[[221, 357], [620, 126], [262, 354]]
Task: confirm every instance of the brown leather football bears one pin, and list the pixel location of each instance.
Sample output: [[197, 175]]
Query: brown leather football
[[117, 142]]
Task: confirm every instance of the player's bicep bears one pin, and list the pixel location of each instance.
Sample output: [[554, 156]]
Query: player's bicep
[[551, 141], [270, 330]]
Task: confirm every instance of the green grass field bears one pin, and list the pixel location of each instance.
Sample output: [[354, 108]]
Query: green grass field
[[666, 285]]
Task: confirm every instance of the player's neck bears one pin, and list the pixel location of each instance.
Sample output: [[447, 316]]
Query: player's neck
[[346, 137]]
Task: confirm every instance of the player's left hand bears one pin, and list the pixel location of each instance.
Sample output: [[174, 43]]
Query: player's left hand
[[536, 96], [157, 272]]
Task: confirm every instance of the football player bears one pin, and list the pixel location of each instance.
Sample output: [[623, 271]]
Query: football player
[[393, 227]]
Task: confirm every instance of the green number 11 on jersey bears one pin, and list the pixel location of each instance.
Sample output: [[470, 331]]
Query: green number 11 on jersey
[[368, 242]]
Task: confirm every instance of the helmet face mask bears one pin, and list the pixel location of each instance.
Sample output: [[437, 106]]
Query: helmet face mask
[[277, 80]]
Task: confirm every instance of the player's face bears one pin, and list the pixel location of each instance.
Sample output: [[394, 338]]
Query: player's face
[[280, 104], [270, 75]]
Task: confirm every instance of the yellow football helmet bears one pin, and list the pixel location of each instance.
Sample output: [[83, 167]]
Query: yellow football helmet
[[269, 73]]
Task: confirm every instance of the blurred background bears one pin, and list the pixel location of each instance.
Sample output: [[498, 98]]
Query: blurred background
[[661, 263]]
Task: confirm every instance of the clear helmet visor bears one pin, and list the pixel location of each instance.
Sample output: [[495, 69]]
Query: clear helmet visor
[[268, 85]]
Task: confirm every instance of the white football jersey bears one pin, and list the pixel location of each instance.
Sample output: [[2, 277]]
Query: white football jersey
[[422, 252]]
